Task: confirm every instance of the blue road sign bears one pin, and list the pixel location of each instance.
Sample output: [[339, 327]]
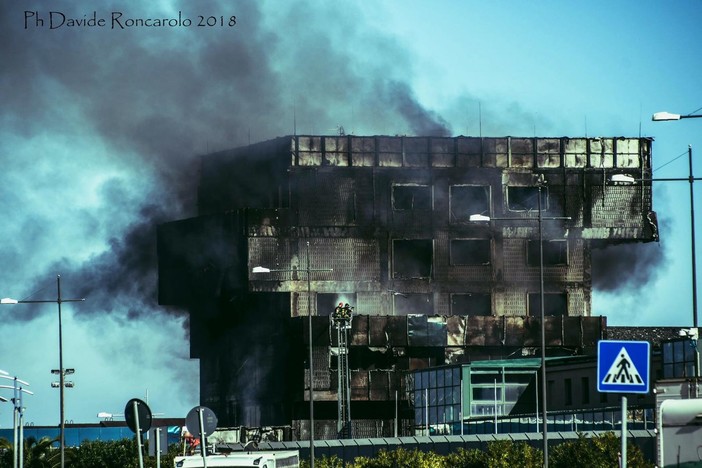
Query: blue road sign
[[623, 366]]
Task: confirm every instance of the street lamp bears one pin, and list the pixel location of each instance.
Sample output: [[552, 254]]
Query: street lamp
[[107, 416], [483, 218], [61, 371], [665, 116], [17, 417], [260, 269]]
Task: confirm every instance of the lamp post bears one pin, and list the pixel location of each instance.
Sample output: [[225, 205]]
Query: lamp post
[[107, 416], [540, 183], [17, 417], [308, 270], [61, 371], [665, 116]]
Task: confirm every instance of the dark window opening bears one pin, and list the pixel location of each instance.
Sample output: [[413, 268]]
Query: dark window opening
[[468, 200], [551, 387], [554, 304], [555, 252], [487, 393], [326, 302], [568, 390], [412, 258], [526, 198], [471, 304], [361, 357], [585, 390], [470, 252], [416, 304], [411, 197]]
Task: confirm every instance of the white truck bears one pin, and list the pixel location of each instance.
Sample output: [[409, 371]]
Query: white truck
[[256, 459], [679, 433]]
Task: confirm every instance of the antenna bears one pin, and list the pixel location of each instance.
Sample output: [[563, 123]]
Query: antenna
[[295, 118], [586, 126], [480, 119], [353, 118]]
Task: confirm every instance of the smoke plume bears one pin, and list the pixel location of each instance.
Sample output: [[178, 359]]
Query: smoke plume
[[101, 129], [619, 266], [128, 111]]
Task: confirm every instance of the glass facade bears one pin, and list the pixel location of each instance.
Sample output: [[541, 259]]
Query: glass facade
[[444, 396], [437, 398], [478, 398], [679, 358]]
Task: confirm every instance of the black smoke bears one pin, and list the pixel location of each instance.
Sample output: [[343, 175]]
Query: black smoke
[[100, 134], [156, 98], [620, 266]]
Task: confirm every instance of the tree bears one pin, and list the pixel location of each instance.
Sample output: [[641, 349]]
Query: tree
[[5, 453], [107, 454], [506, 454], [117, 454], [599, 451], [462, 458], [401, 458], [37, 453]]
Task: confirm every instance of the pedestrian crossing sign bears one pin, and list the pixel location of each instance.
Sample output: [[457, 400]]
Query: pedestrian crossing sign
[[623, 366]]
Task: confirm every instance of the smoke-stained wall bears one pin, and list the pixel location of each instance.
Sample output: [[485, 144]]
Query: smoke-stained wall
[[385, 224]]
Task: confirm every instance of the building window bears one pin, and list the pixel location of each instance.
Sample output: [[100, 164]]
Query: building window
[[568, 390], [411, 197], [326, 302], [555, 252], [585, 390], [466, 200], [470, 252], [416, 304], [471, 304], [551, 388], [526, 198], [498, 389], [412, 258], [678, 359], [554, 304], [436, 394], [486, 394]]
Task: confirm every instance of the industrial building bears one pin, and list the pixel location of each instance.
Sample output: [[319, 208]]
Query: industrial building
[[438, 243]]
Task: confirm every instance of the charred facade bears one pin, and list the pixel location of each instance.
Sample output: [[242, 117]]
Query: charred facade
[[391, 217]]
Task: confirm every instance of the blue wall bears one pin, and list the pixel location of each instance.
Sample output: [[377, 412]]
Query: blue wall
[[76, 435]]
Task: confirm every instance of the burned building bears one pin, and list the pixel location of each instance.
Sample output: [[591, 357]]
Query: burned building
[[389, 225]]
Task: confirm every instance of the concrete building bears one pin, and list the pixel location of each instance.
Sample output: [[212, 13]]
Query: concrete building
[[391, 218]]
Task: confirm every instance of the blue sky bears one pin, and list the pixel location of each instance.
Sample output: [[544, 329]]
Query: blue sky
[[99, 129]]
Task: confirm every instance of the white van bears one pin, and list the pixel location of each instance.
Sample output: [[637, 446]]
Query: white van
[[259, 459]]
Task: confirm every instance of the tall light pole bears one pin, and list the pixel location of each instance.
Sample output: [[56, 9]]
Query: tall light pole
[[17, 417], [662, 116], [665, 116], [308, 270], [544, 412], [61, 371], [540, 183]]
